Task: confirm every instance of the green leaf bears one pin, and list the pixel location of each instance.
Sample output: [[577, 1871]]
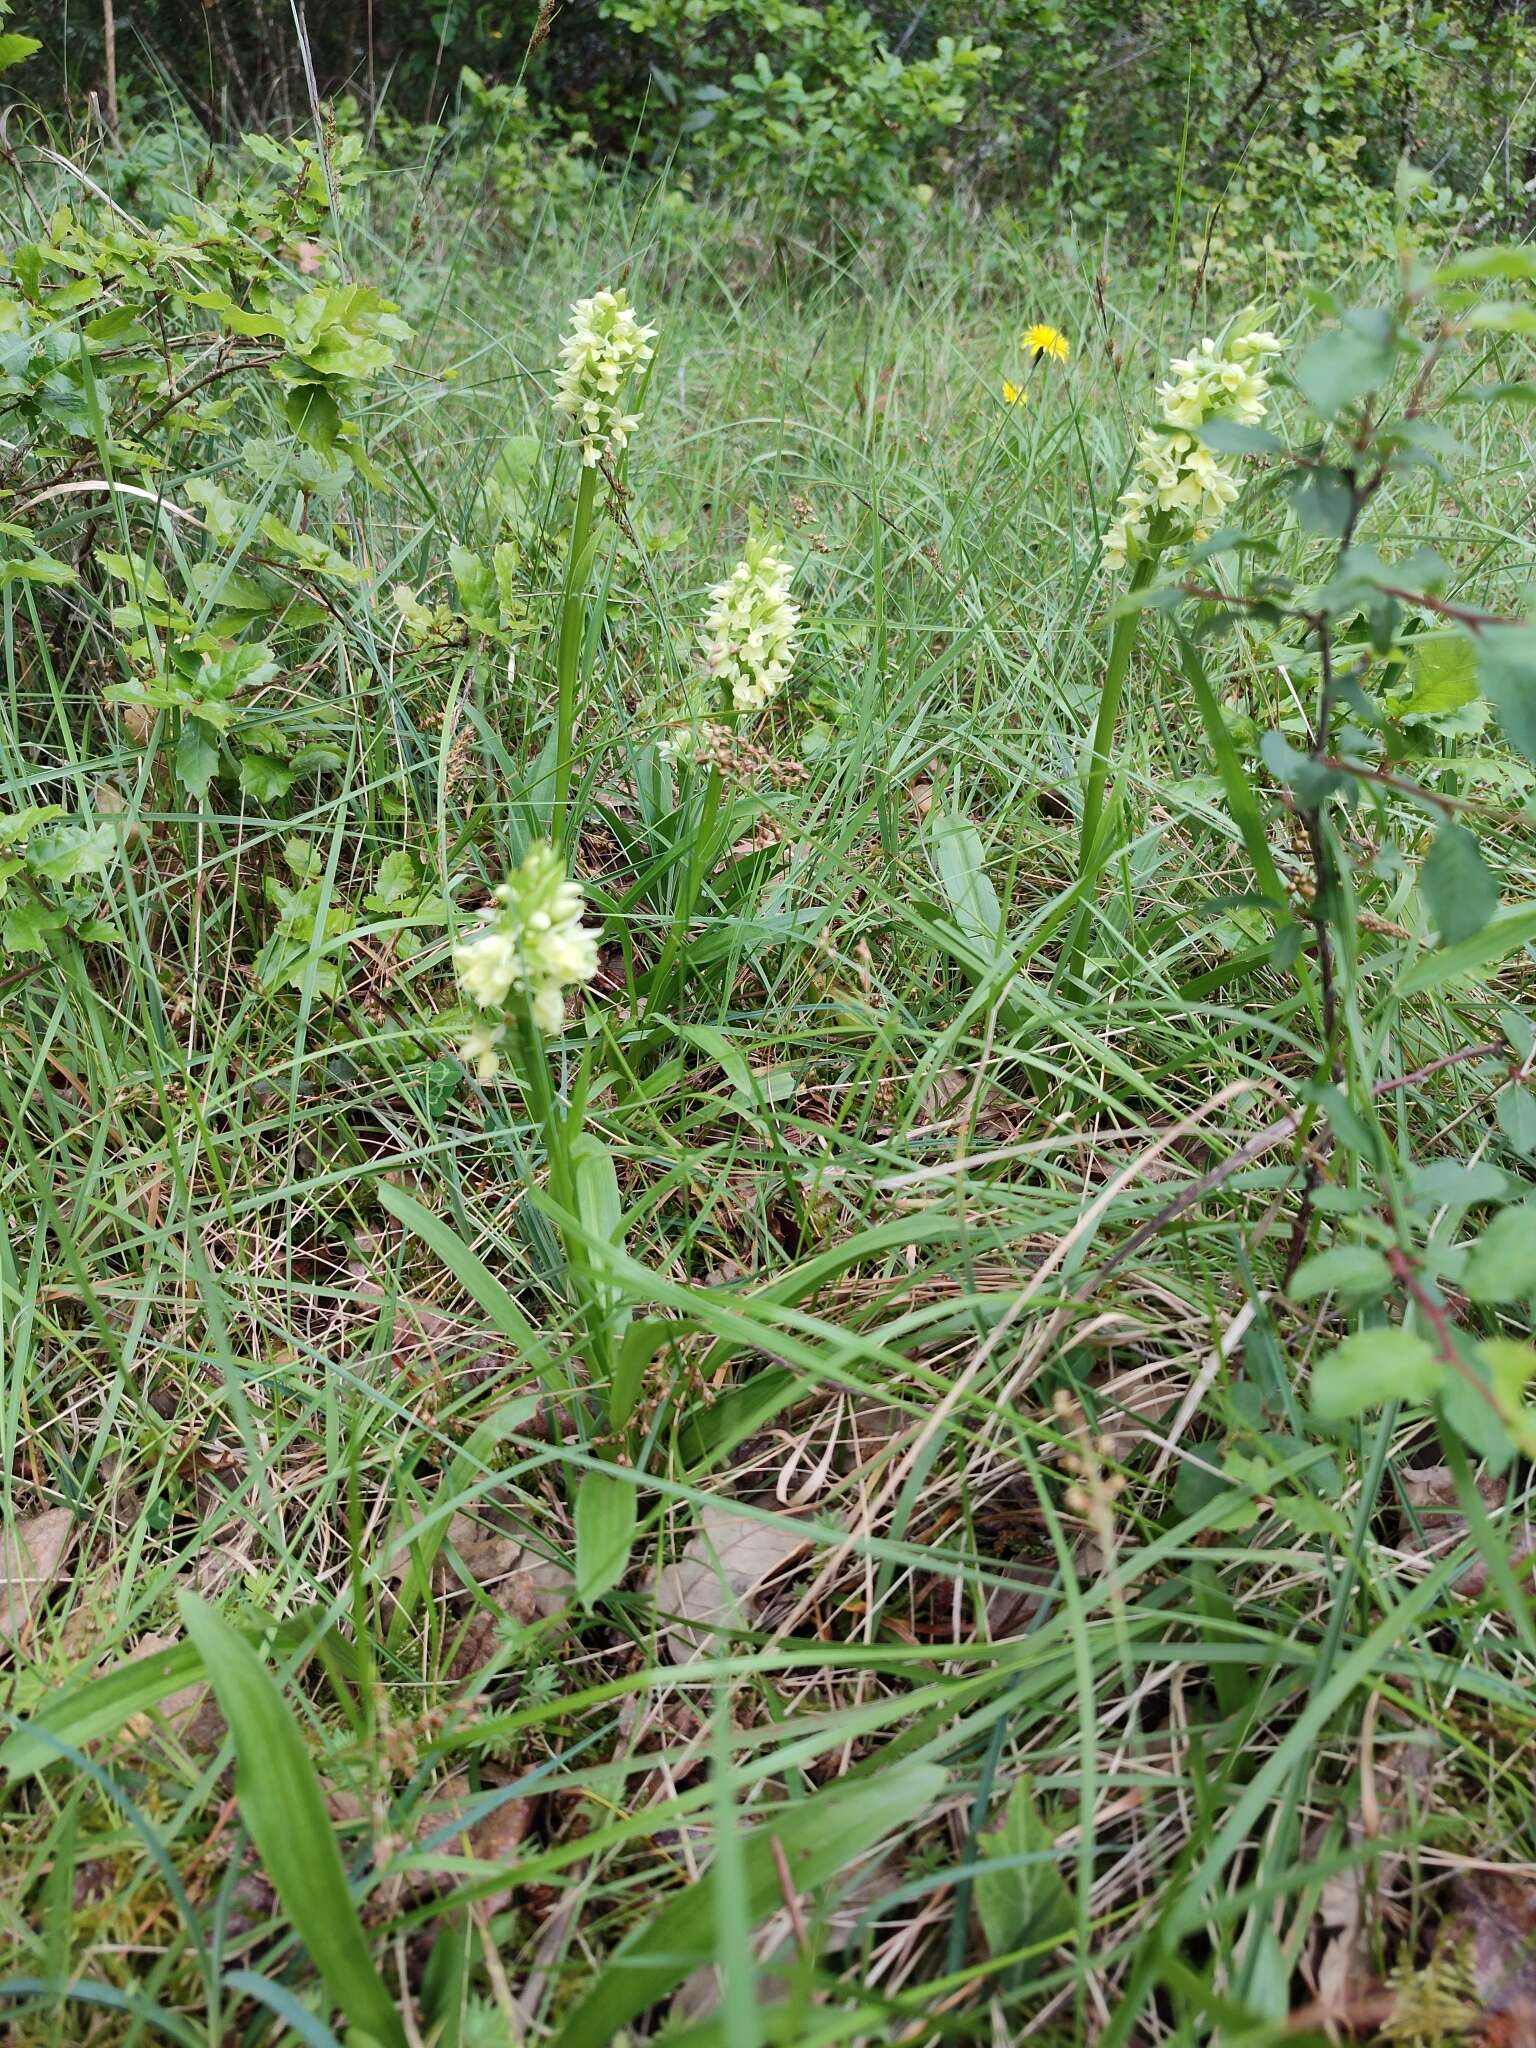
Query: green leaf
[[1470, 1406], [1441, 677], [16, 49], [1474, 266], [1479, 955], [245, 666], [1461, 893], [313, 414], [1458, 1183], [961, 864], [1021, 1895], [20, 825], [27, 926], [472, 1274], [398, 881], [65, 853], [816, 1838], [1241, 798], [1231, 437], [284, 1813], [1354, 1271], [1298, 771], [197, 757], [1374, 1366], [1507, 664], [468, 1467], [265, 779], [1323, 502], [1511, 1367], [601, 1213], [1502, 1266], [640, 1345], [1339, 368], [91, 1711], [1515, 1112], [605, 1533]]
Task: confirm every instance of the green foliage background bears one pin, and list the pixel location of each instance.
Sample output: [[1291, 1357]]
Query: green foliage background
[[1292, 114]]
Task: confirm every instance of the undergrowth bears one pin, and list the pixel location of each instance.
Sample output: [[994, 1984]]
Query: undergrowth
[[789, 1502]]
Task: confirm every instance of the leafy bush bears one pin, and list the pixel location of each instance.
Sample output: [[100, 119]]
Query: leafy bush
[[136, 366], [776, 94]]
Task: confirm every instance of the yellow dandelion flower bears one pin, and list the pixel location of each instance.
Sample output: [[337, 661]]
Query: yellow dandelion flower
[[1041, 341], [1013, 394]]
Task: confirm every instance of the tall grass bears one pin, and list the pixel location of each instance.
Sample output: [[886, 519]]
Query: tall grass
[[975, 1743]]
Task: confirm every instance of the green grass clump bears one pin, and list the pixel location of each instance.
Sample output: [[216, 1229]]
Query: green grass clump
[[792, 1509]]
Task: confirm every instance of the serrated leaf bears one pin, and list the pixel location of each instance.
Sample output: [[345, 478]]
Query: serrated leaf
[[16, 49], [1502, 1264], [1461, 893], [197, 757], [1441, 678], [27, 926], [264, 778], [398, 881], [1355, 1271], [19, 825], [1374, 1366], [65, 853], [1020, 1892]]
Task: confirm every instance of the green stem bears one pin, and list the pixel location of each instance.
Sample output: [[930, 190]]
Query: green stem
[[1097, 773], [689, 893], [1120, 646], [573, 634], [554, 1121]]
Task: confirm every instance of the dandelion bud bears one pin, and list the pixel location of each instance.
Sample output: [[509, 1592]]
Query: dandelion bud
[[605, 344], [749, 632], [534, 942]]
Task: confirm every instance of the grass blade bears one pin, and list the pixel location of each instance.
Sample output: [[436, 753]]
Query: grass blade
[[282, 1806]]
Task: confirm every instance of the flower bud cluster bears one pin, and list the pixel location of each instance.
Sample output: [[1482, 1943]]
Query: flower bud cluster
[[606, 343], [1178, 478], [749, 631], [534, 942]]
